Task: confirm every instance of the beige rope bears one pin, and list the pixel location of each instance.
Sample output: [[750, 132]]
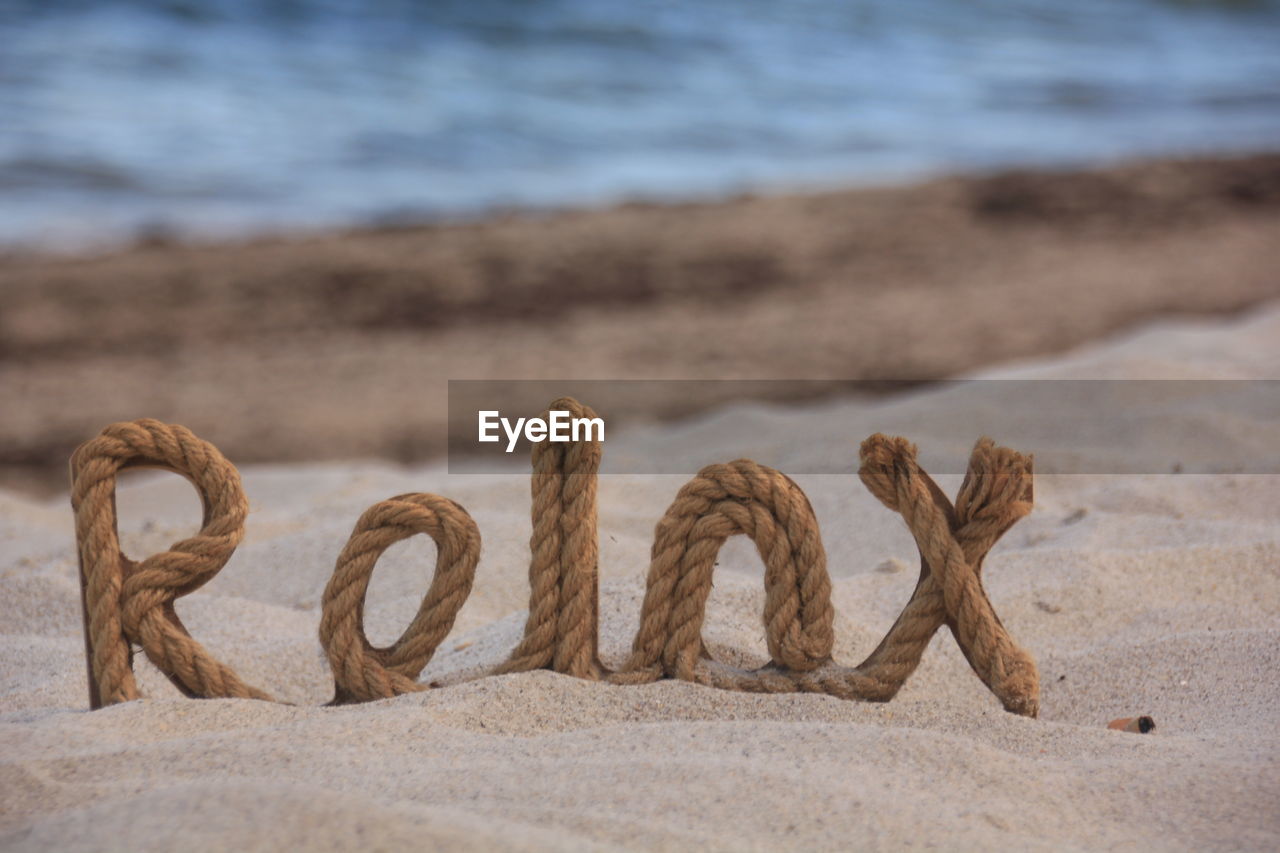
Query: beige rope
[[129, 603], [723, 500], [133, 602], [360, 671], [564, 556]]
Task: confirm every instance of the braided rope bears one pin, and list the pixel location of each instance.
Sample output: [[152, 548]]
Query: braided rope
[[723, 500], [995, 493], [360, 671], [129, 603], [562, 629]]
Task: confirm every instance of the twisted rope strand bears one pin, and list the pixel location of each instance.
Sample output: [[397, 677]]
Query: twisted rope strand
[[996, 492], [562, 628], [132, 603], [361, 672]]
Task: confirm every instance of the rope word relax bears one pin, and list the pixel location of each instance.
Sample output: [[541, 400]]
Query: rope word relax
[[129, 603]]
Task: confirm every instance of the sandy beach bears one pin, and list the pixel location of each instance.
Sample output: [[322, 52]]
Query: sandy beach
[[933, 351], [339, 345], [1138, 594]]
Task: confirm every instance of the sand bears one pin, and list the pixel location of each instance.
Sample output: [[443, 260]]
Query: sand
[[1139, 594], [338, 346]]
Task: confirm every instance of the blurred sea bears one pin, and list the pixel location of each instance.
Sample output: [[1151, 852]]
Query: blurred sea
[[233, 116]]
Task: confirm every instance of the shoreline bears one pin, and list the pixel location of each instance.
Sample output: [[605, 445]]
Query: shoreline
[[338, 345], [162, 233]]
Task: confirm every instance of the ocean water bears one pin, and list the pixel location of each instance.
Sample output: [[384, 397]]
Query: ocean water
[[231, 116]]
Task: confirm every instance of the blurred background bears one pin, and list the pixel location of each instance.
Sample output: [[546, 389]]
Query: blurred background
[[286, 224], [230, 116]]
